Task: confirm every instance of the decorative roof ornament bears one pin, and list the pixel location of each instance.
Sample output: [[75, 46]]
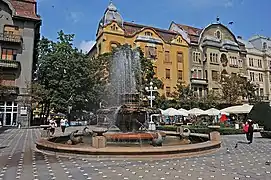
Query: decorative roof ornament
[[111, 14], [218, 19]]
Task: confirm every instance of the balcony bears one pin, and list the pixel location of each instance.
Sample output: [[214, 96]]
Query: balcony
[[10, 64], [195, 80], [9, 90], [10, 38]]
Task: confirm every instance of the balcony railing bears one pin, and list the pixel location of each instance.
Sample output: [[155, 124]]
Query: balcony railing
[[196, 80], [12, 64], [9, 90], [10, 37]]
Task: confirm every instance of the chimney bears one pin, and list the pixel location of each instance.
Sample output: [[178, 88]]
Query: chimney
[[239, 37]]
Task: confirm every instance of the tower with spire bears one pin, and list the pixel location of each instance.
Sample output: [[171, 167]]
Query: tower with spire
[[111, 14]]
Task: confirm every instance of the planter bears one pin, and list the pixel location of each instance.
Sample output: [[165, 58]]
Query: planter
[[266, 134]]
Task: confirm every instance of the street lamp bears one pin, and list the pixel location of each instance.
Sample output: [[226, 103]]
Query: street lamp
[[151, 89]]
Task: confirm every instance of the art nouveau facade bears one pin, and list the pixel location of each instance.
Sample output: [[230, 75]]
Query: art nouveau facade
[[167, 50], [214, 51], [258, 62], [193, 55]]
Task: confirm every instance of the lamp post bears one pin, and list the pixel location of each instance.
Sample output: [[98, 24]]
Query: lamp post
[[151, 89]]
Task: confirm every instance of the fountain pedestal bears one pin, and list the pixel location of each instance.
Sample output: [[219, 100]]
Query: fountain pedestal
[[98, 142]]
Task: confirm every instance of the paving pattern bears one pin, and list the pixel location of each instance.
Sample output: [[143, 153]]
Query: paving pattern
[[19, 160]]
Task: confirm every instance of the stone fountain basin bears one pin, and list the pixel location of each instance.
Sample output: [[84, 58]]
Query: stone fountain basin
[[203, 147], [144, 136]]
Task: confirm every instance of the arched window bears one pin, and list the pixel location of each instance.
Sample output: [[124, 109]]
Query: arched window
[[218, 34], [179, 40], [264, 45]]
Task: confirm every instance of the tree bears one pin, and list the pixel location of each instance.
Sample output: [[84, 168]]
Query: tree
[[234, 87], [148, 74], [67, 74], [184, 96]]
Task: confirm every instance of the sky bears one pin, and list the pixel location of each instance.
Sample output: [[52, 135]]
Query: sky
[[81, 17]]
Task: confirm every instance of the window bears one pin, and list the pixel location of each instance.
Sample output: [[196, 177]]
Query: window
[[9, 54], [206, 74], [199, 74], [200, 92], [167, 56], [213, 58], [194, 73], [180, 75], [260, 77], [196, 57], [168, 91], [180, 57], [214, 75], [179, 40], [251, 74], [251, 62], [167, 73], [148, 34], [240, 63], [114, 27], [264, 45], [259, 63], [150, 52], [218, 34], [261, 92]]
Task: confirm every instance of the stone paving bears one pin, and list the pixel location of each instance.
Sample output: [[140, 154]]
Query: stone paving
[[19, 160]]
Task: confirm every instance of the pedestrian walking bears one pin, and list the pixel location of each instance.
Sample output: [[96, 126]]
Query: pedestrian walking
[[63, 124], [250, 131], [53, 126]]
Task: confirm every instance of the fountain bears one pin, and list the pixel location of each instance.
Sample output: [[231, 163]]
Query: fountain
[[125, 111], [123, 125]]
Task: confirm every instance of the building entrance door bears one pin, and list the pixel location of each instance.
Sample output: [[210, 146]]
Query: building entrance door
[[8, 113], [8, 119]]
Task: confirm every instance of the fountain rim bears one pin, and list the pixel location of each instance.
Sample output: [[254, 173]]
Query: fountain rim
[[201, 148]]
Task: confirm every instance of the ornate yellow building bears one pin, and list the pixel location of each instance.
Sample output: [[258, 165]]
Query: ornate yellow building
[[168, 50]]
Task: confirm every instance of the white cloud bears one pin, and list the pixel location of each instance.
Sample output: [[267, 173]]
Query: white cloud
[[85, 46]]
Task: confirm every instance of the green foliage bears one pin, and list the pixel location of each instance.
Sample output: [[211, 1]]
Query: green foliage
[[148, 74], [69, 76], [184, 97], [233, 87]]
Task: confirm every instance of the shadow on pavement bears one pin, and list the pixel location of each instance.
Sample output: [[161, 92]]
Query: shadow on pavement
[[3, 129]]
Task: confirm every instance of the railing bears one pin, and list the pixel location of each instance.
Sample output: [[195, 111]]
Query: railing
[[9, 90], [196, 80], [10, 64], [10, 37]]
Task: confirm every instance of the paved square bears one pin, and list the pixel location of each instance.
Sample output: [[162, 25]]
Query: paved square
[[19, 160]]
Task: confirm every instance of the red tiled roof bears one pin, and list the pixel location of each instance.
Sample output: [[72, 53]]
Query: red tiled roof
[[25, 8], [193, 32], [131, 29]]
